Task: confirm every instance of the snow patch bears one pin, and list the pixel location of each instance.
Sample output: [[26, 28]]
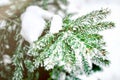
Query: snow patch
[[32, 24], [4, 2], [56, 24]]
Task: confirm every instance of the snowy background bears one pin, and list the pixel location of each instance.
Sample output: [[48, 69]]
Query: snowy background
[[111, 37], [4, 2]]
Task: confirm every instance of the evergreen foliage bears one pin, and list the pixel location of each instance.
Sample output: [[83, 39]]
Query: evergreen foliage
[[72, 51]]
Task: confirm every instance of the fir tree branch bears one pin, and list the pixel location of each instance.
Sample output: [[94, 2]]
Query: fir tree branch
[[92, 17], [100, 61], [18, 63], [92, 40], [75, 48], [97, 27]]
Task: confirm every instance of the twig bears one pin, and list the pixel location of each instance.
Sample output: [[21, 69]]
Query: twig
[[10, 20]]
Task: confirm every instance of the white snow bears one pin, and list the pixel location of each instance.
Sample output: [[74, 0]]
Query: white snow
[[56, 24], [4, 2], [2, 24], [32, 24], [6, 59], [39, 11]]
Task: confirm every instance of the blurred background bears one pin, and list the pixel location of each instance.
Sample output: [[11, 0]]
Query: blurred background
[[10, 9]]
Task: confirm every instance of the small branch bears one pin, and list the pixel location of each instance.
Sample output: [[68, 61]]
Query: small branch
[[10, 20]]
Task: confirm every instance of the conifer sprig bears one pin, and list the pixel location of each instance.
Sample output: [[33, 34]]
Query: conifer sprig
[[74, 49]]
